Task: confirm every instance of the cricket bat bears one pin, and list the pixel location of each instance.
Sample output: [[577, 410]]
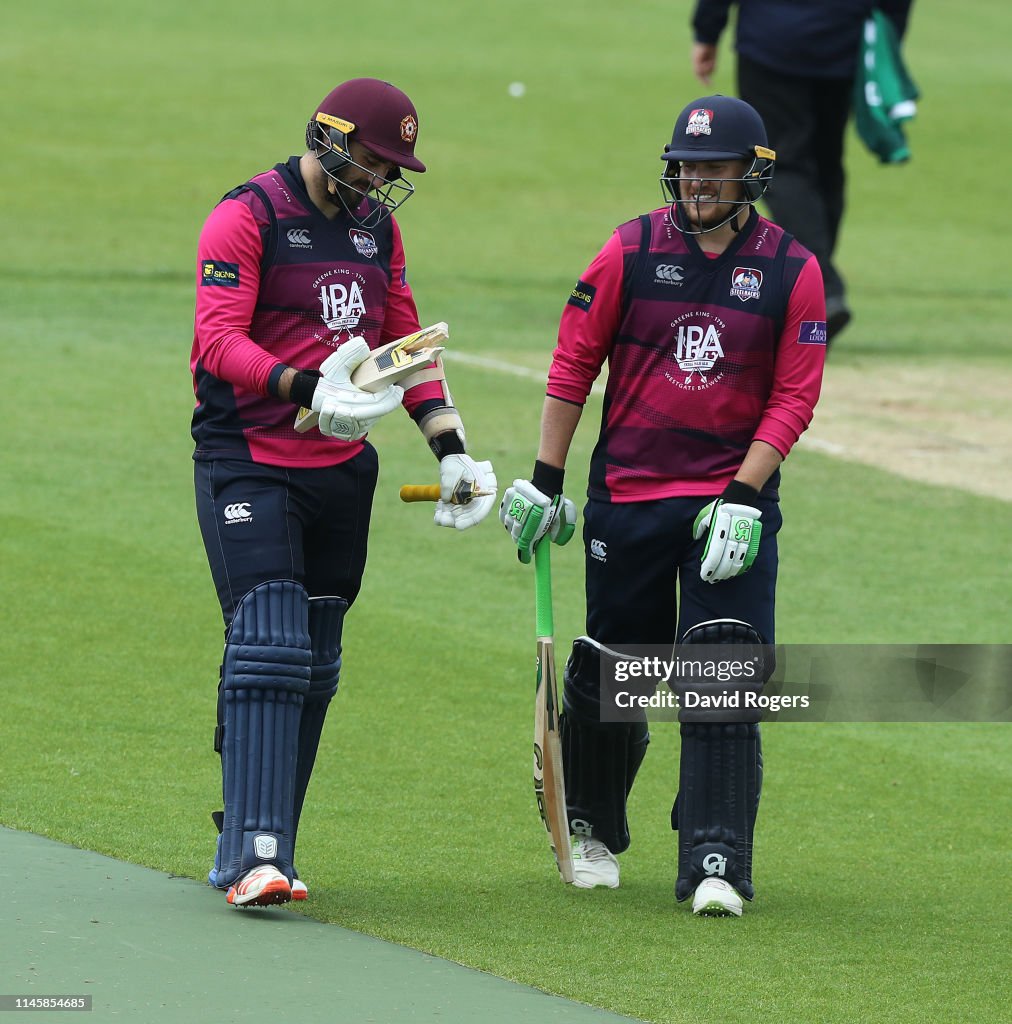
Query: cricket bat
[[549, 781], [388, 364]]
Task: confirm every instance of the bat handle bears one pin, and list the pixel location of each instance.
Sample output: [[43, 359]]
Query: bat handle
[[463, 493], [420, 492], [543, 587]]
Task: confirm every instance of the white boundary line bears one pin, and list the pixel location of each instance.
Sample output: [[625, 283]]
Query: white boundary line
[[807, 441], [526, 373]]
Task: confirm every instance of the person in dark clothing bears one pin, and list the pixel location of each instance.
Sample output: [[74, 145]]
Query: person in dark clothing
[[796, 66]]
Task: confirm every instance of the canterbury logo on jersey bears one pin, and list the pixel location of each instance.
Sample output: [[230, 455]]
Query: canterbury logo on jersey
[[299, 238], [667, 273], [238, 512]]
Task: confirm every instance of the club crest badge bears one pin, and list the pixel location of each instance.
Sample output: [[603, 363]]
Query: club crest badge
[[746, 283], [699, 122], [409, 128], [363, 242]]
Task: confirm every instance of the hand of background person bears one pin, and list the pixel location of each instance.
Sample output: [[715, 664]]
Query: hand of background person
[[704, 61]]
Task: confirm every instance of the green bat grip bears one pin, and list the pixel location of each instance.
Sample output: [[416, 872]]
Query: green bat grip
[[543, 587]]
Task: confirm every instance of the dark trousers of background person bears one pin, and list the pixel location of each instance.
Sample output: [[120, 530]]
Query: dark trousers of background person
[[805, 120]]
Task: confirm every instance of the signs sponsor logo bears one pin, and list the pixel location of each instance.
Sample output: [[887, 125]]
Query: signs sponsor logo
[[299, 238], [582, 296], [214, 272]]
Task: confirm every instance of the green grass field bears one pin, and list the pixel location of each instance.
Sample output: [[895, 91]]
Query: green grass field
[[882, 854]]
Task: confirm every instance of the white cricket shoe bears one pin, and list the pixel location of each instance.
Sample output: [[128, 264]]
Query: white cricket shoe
[[261, 886], [299, 890], [593, 864], [716, 898]]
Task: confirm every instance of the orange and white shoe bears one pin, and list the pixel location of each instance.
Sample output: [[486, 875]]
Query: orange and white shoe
[[262, 886], [299, 890]]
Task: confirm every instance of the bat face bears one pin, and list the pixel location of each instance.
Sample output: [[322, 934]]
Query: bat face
[[549, 787]]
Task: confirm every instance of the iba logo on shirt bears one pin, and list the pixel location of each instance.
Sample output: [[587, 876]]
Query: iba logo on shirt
[[342, 301], [697, 350]]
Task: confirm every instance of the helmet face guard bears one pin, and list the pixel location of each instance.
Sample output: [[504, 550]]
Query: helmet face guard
[[713, 129], [329, 137], [753, 185]]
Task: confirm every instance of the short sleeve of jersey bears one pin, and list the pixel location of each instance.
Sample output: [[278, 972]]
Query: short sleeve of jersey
[[801, 355], [228, 280], [588, 325]]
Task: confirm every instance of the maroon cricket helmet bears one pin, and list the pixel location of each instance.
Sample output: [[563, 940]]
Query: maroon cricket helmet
[[385, 119]]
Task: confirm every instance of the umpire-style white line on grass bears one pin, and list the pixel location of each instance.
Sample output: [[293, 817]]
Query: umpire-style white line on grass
[[897, 445], [501, 366]]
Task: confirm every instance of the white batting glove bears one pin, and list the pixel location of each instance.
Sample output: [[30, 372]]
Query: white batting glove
[[456, 471], [732, 542], [528, 514], [348, 412]]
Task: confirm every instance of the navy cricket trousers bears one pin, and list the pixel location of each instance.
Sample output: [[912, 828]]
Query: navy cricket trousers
[[642, 576], [262, 523]]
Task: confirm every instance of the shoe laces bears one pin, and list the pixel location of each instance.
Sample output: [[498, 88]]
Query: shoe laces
[[594, 849]]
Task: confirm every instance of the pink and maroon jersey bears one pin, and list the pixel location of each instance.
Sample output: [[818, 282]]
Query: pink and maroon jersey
[[705, 354], [279, 284]]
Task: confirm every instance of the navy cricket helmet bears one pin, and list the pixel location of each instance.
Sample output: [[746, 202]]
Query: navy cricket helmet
[[719, 128]]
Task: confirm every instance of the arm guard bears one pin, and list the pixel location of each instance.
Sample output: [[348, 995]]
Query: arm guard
[[435, 417]]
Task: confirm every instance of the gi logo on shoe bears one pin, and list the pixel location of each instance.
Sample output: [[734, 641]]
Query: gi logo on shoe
[[699, 122], [238, 512], [714, 864], [265, 847], [581, 827], [745, 283], [298, 238], [363, 242]]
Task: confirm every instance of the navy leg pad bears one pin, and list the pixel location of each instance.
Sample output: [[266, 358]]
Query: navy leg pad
[[265, 678], [718, 797], [720, 777], [600, 759], [326, 621]]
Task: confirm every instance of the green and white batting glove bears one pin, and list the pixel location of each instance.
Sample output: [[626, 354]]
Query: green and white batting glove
[[528, 512], [733, 532]]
